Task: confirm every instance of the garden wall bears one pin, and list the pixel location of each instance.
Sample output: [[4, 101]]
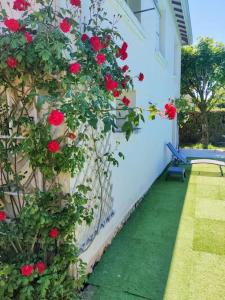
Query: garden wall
[[191, 131]]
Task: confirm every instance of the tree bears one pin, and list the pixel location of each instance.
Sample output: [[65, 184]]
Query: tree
[[203, 77]]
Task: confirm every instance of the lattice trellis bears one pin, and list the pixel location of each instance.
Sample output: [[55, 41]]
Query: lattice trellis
[[98, 177], [95, 174], [12, 191]]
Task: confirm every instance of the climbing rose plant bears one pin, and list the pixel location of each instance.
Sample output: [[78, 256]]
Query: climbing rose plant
[[57, 74]]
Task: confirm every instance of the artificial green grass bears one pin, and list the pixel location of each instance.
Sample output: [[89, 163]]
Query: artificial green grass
[[138, 263], [198, 267]]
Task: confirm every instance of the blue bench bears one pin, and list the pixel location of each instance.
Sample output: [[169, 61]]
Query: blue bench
[[179, 171]]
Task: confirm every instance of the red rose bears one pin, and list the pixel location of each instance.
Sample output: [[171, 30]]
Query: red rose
[[95, 43], [21, 5], [100, 58], [170, 111], [26, 270], [11, 62], [54, 233], [56, 117], [84, 37], [74, 68], [110, 84], [116, 93], [53, 146], [124, 47], [121, 52], [124, 84], [126, 101], [40, 267], [141, 77], [12, 24], [125, 68], [65, 26], [71, 135], [124, 55], [76, 2], [28, 37], [2, 216]]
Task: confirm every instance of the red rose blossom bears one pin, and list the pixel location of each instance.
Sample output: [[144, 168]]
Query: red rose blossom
[[141, 77], [53, 146], [170, 111], [12, 24], [76, 2], [54, 233], [100, 58], [124, 55], [125, 68], [74, 68], [71, 135], [65, 26], [121, 52], [40, 267], [84, 37], [126, 101], [2, 216], [28, 37], [11, 62], [124, 47], [26, 270], [110, 84], [95, 43], [124, 84], [56, 117], [116, 93], [21, 5]]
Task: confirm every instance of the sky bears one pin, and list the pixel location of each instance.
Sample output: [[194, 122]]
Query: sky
[[208, 19]]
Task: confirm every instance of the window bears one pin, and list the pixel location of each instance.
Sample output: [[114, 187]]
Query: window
[[160, 32], [135, 5], [121, 114]]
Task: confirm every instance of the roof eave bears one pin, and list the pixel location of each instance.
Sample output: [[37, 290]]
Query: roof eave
[[182, 15]]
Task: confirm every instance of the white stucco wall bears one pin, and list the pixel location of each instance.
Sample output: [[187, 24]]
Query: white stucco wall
[[146, 153]]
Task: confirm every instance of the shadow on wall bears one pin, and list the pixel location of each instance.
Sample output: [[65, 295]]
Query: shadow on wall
[[138, 261]]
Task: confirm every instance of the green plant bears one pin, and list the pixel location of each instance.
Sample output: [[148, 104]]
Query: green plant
[[184, 107]]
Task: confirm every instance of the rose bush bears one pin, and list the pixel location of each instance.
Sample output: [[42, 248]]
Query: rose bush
[[54, 78]]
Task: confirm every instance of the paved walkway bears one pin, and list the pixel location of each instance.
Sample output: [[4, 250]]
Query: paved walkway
[[204, 153], [138, 263]]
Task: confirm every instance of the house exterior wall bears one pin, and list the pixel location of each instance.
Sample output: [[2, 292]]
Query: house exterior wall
[[145, 153]]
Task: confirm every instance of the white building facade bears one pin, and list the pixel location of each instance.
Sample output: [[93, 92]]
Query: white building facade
[[155, 30]]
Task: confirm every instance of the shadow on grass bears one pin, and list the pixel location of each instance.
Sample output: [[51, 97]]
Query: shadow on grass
[[137, 263]]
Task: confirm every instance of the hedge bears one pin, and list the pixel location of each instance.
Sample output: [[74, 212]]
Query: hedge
[[190, 132]]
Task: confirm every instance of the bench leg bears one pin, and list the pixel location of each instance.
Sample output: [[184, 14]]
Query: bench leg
[[221, 170]]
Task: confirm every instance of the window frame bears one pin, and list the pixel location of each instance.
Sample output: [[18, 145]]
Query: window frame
[[137, 16]]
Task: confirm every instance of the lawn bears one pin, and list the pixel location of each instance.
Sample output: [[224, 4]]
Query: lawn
[[172, 247]]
